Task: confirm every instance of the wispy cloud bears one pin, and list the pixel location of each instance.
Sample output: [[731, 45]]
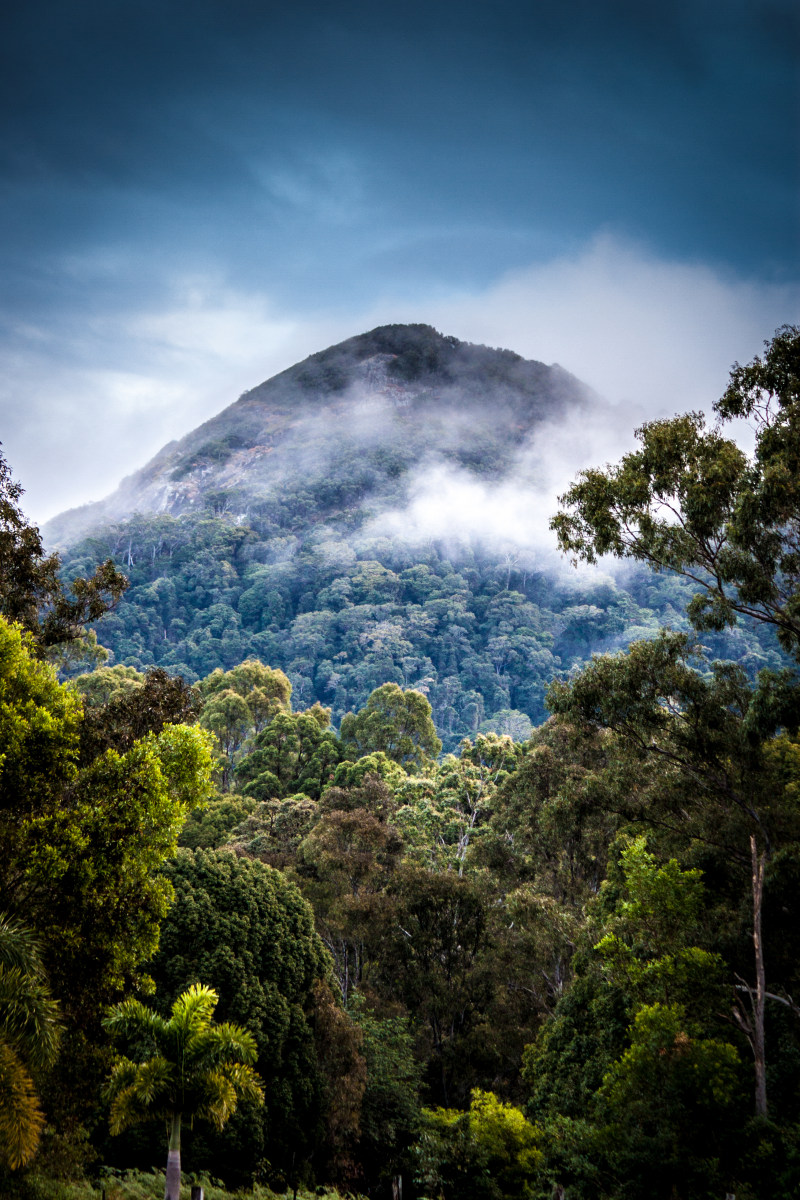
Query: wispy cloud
[[90, 399], [643, 331]]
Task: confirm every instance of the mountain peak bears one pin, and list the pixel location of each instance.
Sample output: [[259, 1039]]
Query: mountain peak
[[373, 408]]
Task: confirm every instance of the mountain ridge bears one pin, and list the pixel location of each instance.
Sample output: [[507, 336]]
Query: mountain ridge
[[395, 390]]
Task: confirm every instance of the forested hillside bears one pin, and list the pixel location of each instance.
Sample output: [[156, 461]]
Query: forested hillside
[[481, 635], [560, 964], [277, 532]]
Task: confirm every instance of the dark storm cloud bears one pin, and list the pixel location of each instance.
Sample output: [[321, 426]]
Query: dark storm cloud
[[236, 125], [169, 169]]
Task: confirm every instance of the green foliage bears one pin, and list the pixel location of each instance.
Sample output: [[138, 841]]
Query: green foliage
[[243, 927], [149, 1185], [29, 1032], [130, 713], [489, 1152], [296, 752], [191, 1067], [477, 636], [31, 591], [390, 1109], [239, 703], [209, 827], [646, 946], [187, 1067], [396, 722], [353, 774], [106, 683], [736, 532], [81, 846]]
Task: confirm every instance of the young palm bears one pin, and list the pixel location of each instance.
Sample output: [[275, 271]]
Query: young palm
[[29, 1028], [190, 1067]]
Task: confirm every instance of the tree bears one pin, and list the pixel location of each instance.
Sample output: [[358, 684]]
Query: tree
[[29, 1029], [129, 713], [296, 752], [83, 844], [720, 777], [31, 591], [635, 1078], [106, 683], [489, 1152], [390, 1110], [192, 1068], [691, 501], [345, 863], [440, 960], [239, 703], [247, 930], [395, 721]]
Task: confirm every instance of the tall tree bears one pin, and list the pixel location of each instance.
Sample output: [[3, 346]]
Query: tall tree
[[244, 928], [191, 1068], [691, 501], [397, 722], [721, 780]]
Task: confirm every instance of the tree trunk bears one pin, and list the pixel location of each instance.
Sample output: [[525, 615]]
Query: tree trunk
[[172, 1187], [758, 1008]]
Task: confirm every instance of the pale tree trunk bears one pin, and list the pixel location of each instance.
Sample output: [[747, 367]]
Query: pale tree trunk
[[760, 997], [172, 1188]]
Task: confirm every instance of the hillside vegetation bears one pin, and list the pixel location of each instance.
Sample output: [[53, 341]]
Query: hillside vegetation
[[559, 963]]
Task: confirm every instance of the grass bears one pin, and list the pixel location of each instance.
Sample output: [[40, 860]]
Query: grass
[[144, 1185]]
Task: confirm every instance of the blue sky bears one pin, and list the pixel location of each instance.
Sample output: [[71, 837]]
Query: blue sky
[[194, 195]]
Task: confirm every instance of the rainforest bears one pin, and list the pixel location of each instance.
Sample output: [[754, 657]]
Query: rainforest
[[352, 851]]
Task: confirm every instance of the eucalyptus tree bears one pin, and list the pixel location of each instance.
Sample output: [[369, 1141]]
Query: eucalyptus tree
[[692, 502], [190, 1068], [396, 721]]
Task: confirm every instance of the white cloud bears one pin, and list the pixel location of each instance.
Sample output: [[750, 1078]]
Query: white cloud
[[642, 331], [90, 403]]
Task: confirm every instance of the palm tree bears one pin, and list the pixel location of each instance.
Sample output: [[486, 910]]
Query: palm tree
[[190, 1068], [29, 1029]]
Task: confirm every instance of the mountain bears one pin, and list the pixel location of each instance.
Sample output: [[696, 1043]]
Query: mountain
[[284, 529], [347, 426]]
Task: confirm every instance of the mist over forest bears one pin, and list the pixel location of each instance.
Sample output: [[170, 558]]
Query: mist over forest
[[379, 513], [373, 848], [399, 601]]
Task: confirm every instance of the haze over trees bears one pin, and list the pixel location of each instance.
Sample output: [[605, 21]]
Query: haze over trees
[[565, 964]]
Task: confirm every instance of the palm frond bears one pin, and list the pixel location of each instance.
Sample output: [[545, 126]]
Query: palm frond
[[20, 948], [219, 1102], [248, 1083], [219, 1043], [139, 1091], [29, 1017], [194, 1067], [21, 1117], [194, 1008], [132, 1019]]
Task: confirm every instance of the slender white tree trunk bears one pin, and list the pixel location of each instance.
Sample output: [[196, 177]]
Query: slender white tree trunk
[[172, 1188], [758, 1008]]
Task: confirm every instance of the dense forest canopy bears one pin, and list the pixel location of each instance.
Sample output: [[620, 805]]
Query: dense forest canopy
[[496, 952]]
